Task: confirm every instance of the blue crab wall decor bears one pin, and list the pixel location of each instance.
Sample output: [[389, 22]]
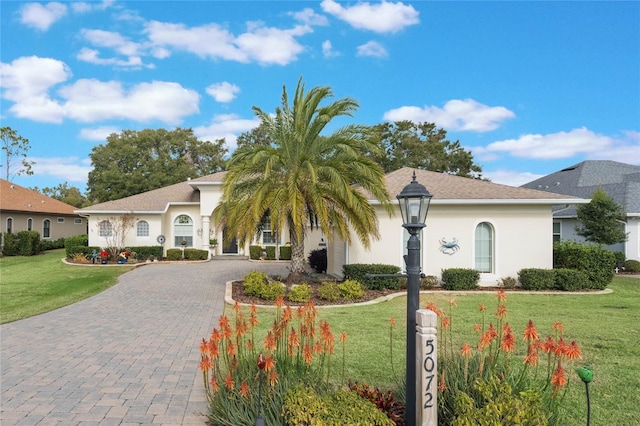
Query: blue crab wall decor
[[449, 247]]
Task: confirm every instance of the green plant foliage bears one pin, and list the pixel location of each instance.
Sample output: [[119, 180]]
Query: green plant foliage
[[174, 254], [570, 279], [620, 257], [537, 278], [596, 262], [460, 279], [145, 252], [82, 250], [599, 221], [29, 243], [508, 282], [300, 293], [632, 265], [271, 252], [11, 247], [359, 271], [429, 282], [195, 254], [329, 291], [253, 282], [254, 252], [318, 260], [285, 253], [350, 289], [75, 241], [51, 244], [303, 406], [272, 290], [498, 405], [385, 401]]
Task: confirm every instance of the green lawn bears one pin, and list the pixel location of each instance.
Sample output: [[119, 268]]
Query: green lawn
[[607, 328], [36, 284]]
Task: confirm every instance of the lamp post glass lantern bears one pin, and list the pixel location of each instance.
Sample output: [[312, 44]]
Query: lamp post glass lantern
[[414, 203]]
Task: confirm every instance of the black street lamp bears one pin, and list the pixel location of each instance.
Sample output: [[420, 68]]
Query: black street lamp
[[414, 204]]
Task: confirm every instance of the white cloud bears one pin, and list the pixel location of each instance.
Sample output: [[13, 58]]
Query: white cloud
[[555, 145], [223, 92], [510, 177], [98, 133], [26, 81], [327, 50], [92, 56], [372, 48], [309, 17], [89, 100], [457, 115], [265, 45], [381, 17], [41, 16], [112, 40], [625, 149], [71, 169], [227, 126]]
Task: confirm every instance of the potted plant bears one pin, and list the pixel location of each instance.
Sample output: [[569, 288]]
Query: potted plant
[[213, 242]]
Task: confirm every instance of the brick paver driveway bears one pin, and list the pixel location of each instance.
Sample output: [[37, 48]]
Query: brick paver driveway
[[128, 355]]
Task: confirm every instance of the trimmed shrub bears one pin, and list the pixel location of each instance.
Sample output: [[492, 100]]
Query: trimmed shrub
[[570, 279], [537, 279], [460, 279], [253, 282], [631, 265], [195, 254], [620, 257], [329, 291], [300, 293], [29, 243], [429, 282], [51, 244], [254, 252], [145, 252], [285, 253], [174, 254], [350, 289], [318, 260], [596, 262], [75, 241], [359, 271], [272, 290], [508, 282], [11, 245], [271, 252]]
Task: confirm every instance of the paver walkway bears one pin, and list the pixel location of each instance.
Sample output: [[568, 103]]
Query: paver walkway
[[128, 355]]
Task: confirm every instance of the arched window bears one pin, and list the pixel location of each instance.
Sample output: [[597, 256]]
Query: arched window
[[46, 228], [105, 228], [29, 224], [142, 229], [484, 248], [183, 231], [9, 225]]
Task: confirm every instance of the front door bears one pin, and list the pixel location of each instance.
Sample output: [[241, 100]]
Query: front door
[[231, 246]]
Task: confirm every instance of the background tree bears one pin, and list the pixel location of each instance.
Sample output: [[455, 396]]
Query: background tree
[[65, 193], [422, 146], [301, 175], [257, 136], [600, 220], [137, 161], [15, 148]]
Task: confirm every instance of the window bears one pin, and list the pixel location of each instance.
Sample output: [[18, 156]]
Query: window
[[9, 225], [268, 237], [77, 221], [61, 220], [556, 232], [142, 229], [105, 228], [484, 248], [183, 231], [46, 228], [29, 224]]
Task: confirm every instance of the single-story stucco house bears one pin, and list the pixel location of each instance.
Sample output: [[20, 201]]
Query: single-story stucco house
[[496, 229], [620, 181], [22, 209]]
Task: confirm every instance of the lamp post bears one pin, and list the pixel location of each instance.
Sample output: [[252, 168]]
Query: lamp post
[[414, 204]]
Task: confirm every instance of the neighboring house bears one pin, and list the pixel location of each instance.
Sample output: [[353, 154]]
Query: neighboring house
[[496, 229], [621, 181], [22, 209]]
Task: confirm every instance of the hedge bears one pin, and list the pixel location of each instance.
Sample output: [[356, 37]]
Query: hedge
[[359, 271], [271, 252], [195, 254], [570, 279], [254, 252], [23, 243], [537, 279], [594, 261], [174, 254], [285, 253], [75, 241], [145, 252], [460, 279]]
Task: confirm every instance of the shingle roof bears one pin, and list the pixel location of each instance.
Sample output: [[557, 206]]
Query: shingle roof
[[621, 181], [19, 199]]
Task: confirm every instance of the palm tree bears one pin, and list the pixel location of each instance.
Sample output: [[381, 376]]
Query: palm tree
[[302, 178]]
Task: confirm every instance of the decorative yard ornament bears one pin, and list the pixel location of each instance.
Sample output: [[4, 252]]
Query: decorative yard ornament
[[586, 375], [161, 239], [449, 247]]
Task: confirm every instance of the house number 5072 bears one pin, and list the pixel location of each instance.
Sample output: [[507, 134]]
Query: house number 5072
[[429, 366]]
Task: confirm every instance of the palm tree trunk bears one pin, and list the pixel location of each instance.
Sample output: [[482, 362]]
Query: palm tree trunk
[[297, 258]]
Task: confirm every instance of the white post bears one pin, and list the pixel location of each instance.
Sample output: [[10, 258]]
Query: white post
[[427, 368], [205, 233]]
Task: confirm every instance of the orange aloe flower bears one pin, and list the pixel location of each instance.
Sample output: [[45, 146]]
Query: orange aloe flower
[[508, 340], [215, 335], [501, 311], [269, 363], [253, 309], [270, 341], [477, 328], [392, 320], [530, 332], [501, 295], [288, 314], [214, 349], [244, 389], [432, 307], [446, 322], [532, 356], [229, 383], [307, 355], [231, 348], [294, 339], [560, 348], [549, 345], [273, 377], [466, 350], [492, 332], [558, 327], [250, 344], [442, 386], [205, 363], [317, 347], [204, 346], [559, 378], [214, 384], [452, 302], [482, 308], [280, 302], [343, 337], [573, 351], [236, 307]]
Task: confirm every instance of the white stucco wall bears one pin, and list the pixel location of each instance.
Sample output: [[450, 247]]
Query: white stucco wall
[[522, 239]]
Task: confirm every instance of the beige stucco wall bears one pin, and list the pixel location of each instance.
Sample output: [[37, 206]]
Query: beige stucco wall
[[522, 239], [66, 228]]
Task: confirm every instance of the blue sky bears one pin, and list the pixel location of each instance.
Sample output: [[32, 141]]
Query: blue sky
[[528, 87]]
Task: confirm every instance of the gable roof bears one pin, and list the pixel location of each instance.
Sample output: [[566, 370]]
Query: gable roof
[[621, 181], [19, 199], [451, 189]]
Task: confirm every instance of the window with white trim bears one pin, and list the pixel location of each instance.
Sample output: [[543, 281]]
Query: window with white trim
[[268, 236], [61, 220], [105, 228], [557, 235], [29, 224], [46, 228], [183, 231], [142, 229], [9, 227], [77, 221], [484, 248]]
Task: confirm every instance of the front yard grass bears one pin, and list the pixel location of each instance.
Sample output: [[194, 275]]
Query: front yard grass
[[607, 328], [34, 285]]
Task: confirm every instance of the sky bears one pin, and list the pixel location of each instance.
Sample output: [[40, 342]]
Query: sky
[[529, 87]]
